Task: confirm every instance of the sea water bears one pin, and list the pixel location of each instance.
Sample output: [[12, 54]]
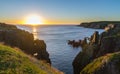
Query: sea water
[[56, 38]]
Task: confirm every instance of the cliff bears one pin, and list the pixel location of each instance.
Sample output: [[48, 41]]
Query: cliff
[[14, 61], [98, 45], [99, 25], [14, 37]]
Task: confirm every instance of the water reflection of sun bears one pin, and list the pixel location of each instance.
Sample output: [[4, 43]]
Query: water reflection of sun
[[35, 33]]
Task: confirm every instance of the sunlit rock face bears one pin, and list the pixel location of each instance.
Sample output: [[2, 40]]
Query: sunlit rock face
[[99, 45], [11, 35]]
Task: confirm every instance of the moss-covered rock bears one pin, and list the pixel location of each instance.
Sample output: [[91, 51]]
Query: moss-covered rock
[[80, 61], [108, 64], [83, 58]]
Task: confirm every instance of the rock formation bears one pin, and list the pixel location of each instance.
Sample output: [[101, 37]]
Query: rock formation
[[11, 35], [99, 45], [77, 43]]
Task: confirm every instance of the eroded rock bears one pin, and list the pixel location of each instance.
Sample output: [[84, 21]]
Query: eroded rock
[[99, 45]]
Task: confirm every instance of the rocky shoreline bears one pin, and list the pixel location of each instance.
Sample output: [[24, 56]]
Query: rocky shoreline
[[99, 24], [14, 37], [100, 55]]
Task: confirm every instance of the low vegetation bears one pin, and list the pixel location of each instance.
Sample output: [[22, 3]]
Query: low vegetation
[[104, 65], [14, 61]]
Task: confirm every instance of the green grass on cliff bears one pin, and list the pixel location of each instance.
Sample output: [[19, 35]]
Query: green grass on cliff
[[94, 65], [13, 61], [101, 62]]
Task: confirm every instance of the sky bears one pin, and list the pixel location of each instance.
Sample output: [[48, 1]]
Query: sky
[[60, 11]]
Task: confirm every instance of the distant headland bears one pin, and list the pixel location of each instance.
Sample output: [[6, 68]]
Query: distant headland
[[99, 24]]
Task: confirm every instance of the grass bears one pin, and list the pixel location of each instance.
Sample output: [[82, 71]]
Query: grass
[[13, 61], [100, 62], [94, 66]]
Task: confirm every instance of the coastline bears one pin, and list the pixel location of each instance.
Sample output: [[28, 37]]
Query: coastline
[[10, 35], [100, 46]]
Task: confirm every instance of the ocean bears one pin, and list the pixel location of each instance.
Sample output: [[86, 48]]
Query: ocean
[[56, 37]]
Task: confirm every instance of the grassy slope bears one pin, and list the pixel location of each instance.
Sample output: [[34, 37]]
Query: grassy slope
[[13, 61], [100, 62]]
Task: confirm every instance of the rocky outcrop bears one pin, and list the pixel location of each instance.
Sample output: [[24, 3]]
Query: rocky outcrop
[[99, 25], [77, 43], [11, 35], [95, 38], [40, 50], [97, 46], [80, 61], [108, 64]]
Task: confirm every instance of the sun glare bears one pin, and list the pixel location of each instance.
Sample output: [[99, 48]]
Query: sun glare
[[33, 20]]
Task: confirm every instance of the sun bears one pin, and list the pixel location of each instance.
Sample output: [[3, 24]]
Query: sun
[[33, 20]]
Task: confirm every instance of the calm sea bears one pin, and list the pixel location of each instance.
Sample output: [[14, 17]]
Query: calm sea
[[56, 38]]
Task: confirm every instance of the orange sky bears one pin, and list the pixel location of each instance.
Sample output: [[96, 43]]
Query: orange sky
[[60, 11], [48, 22]]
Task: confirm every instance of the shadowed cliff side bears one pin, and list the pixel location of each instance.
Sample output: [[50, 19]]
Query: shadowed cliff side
[[11, 35], [98, 45]]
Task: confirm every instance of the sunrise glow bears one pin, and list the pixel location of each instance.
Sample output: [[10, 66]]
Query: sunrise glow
[[33, 20]]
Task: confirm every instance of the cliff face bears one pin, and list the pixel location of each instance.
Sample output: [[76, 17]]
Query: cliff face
[[14, 61], [99, 45], [11, 35], [99, 25]]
